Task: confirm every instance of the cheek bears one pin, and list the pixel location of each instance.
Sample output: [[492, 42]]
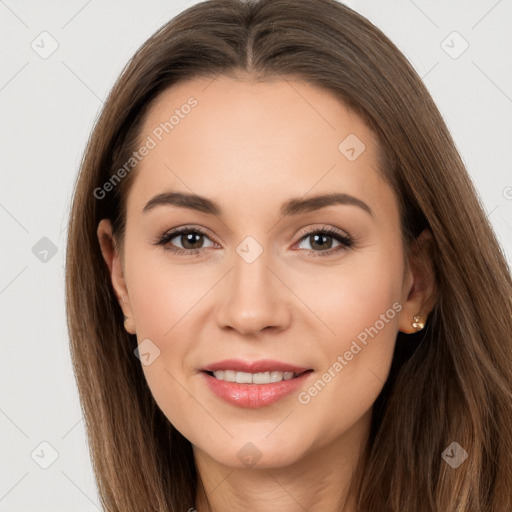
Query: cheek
[[361, 307], [162, 293], [353, 295], [165, 300]]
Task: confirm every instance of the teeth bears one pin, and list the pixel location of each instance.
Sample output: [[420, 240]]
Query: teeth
[[243, 378], [253, 378]]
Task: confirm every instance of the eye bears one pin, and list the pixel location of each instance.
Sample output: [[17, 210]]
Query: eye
[[321, 241], [190, 240]]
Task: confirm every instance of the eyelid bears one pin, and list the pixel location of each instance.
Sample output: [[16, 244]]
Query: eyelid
[[303, 232], [330, 229], [344, 240], [177, 231]]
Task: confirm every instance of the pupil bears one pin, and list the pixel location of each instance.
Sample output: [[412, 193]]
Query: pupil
[[318, 236], [190, 239]]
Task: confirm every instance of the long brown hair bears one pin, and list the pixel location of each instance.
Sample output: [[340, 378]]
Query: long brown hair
[[452, 382]]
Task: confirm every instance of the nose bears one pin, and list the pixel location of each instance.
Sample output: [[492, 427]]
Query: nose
[[254, 298]]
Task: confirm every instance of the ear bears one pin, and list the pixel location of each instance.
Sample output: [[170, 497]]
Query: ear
[[420, 285], [112, 258]]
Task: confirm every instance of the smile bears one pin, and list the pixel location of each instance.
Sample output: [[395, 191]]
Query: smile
[[254, 390], [253, 378]]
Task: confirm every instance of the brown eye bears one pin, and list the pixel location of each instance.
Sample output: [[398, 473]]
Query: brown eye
[[184, 240], [321, 241], [191, 240]]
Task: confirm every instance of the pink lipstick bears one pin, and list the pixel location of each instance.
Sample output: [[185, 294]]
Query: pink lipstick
[[254, 384]]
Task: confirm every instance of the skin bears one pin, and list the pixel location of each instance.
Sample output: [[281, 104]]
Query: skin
[[250, 147]]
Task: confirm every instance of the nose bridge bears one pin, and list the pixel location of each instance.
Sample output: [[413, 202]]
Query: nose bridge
[[253, 295]]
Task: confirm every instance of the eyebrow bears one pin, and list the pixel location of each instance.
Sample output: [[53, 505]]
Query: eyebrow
[[293, 206]]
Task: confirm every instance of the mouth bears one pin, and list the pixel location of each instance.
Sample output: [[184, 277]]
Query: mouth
[[254, 367], [254, 384], [254, 378], [253, 395], [254, 390]]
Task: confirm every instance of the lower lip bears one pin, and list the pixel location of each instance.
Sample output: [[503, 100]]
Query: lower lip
[[254, 395]]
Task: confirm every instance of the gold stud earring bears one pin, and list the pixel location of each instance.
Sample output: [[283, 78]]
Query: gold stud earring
[[418, 324]]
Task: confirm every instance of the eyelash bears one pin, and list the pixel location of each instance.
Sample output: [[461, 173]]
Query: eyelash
[[346, 241]]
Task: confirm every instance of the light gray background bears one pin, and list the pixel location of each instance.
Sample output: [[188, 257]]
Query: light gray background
[[47, 109]]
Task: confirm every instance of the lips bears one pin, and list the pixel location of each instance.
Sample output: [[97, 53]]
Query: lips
[[252, 395], [255, 395], [263, 365]]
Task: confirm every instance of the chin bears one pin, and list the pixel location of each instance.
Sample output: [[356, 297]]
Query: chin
[[256, 453]]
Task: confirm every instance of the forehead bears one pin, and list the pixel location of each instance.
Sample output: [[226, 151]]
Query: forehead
[[274, 139]]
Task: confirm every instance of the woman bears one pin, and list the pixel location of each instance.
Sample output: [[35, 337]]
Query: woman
[[282, 290]]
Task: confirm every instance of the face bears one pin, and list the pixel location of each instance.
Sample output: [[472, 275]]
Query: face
[[317, 291]]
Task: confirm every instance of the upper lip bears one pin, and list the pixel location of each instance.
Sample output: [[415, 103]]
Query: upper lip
[[263, 365]]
